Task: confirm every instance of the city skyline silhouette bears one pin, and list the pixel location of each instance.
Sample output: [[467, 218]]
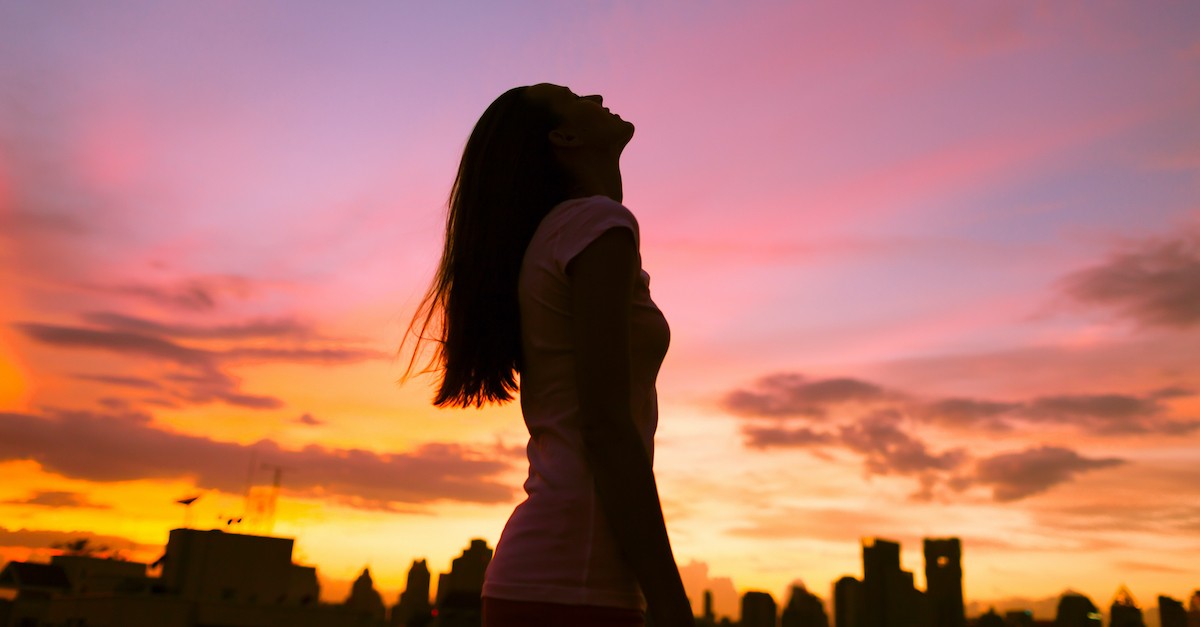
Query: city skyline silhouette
[[225, 575], [929, 272]]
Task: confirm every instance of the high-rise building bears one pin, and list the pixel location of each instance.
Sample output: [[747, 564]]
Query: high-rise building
[[943, 582], [1193, 613], [459, 591], [214, 566], [804, 609], [1124, 611], [709, 618], [1076, 610], [889, 598], [847, 602], [365, 598], [1171, 612], [758, 610], [413, 608]]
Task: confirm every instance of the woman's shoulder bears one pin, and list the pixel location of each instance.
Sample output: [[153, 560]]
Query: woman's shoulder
[[575, 223], [589, 212]]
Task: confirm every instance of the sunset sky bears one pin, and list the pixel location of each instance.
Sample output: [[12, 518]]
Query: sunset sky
[[930, 271]]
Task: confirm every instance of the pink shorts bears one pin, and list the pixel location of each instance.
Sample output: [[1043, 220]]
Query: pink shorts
[[506, 613]]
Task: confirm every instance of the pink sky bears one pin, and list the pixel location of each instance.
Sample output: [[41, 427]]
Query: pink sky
[[930, 271]]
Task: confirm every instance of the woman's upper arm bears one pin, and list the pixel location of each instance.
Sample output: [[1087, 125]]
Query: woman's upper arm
[[602, 277]]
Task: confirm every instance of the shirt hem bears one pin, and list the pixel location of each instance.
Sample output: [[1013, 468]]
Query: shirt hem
[[565, 595]]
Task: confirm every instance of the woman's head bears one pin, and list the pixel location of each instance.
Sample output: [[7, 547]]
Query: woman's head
[[516, 166], [583, 122]]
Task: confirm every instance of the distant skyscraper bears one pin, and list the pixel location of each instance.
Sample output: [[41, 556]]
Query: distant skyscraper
[[847, 602], [804, 609], [413, 608], [709, 619], [1076, 610], [889, 598], [459, 591], [991, 619], [1171, 612], [943, 582], [1124, 611], [758, 610], [365, 598], [1194, 610]]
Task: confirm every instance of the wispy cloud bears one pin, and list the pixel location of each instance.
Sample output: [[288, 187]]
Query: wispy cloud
[[203, 377], [56, 499], [1014, 476], [122, 447], [880, 425], [1154, 282], [47, 538]]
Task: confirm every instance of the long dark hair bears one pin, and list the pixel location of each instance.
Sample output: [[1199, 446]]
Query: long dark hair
[[507, 182]]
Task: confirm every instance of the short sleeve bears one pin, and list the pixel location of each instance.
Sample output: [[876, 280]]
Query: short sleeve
[[582, 223]]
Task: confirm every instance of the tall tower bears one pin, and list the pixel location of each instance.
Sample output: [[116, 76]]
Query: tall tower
[[1124, 611], [943, 582], [458, 594], [758, 610], [889, 598], [413, 609], [847, 602], [1076, 610]]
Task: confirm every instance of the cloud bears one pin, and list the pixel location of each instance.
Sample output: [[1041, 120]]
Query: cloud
[[1154, 282], [959, 412], [887, 449], [885, 440], [200, 294], [115, 341], [202, 379], [129, 382], [122, 447], [307, 419], [770, 436], [791, 395], [261, 328], [56, 499], [1110, 413], [46, 538], [1014, 476], [786, 395]]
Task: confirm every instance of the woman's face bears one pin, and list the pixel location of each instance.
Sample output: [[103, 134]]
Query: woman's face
[[585, 121]]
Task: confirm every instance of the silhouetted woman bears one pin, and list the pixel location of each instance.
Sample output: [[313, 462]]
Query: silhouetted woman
[[541, 276]]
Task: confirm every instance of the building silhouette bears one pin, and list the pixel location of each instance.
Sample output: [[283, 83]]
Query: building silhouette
[[990, 619], [1171, 612], [413, 608], [1124, 610], [758, 610], [209, 578], [889, 597], [365, 598], [459, 591], [847, 602], [1076, 610], [1194, 609], [943, 582], [1019, 618], [804, 609]]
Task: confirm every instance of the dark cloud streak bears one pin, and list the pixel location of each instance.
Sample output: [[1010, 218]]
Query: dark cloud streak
[[1155, 282], [123, 447]]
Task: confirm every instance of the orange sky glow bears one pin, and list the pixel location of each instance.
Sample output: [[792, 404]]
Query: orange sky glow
[[930, 272]]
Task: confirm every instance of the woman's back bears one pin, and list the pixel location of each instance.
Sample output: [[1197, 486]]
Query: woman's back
[[557, 544]]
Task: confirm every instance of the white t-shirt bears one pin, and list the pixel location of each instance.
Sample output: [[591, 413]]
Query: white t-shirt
[[557, 546]]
